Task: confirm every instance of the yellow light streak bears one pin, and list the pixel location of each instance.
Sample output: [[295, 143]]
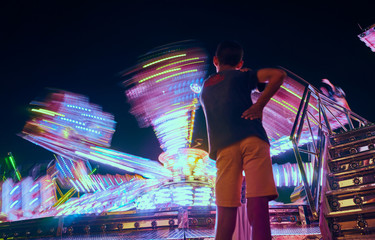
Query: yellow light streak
[[158, 74], [290, 91], [186, 106], [190, 133], [290, 105], [174, 75], [185, 60], [164, 59], [48, 112], [313, 107], [190, 63], [65, 197], [284, 105], [298, 96], [44, 126], [312, 120], [58, 189], [45, 120]]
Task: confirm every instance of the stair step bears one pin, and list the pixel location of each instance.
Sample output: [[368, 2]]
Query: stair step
[[351, 163], [359, 197], [367, 144], [353, 156], [352, 178], [353, 135], [352, 224]]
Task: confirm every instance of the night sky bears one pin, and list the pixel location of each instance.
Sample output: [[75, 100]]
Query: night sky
[[82, 47]]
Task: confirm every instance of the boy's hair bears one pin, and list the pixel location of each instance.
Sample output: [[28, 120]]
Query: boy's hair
[[229, 53]]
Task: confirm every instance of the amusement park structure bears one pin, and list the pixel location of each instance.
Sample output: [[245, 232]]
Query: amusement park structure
[[172, 197]]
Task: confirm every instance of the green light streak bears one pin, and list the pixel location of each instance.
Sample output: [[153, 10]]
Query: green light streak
[[186, 64], [92, 172], [179, 108], [290, 91], [284, 106], [48, 112], [13, 162], [45, 120], [290, 105], [164, 59], [18, 175], [174, 75], [295, 94], [158, 74], [185, 60]]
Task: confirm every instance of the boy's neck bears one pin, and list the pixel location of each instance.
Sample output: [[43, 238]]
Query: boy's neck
[[221, 68]]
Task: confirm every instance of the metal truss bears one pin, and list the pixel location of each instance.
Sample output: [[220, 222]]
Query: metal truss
[[320, 117]]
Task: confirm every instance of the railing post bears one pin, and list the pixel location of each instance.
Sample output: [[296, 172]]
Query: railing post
[[296, 121], [304, 180], [300, 127]]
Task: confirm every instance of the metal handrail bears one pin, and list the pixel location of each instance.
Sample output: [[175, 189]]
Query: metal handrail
[[319, 147]]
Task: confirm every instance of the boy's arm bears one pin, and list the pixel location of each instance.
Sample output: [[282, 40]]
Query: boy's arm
[[274, 78]]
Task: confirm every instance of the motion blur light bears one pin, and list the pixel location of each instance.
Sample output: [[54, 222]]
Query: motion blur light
[[361, 224], [336, 227], [368, 37], [120, 226], [103, 227], [136, 225], [154, 224], [171, 222]]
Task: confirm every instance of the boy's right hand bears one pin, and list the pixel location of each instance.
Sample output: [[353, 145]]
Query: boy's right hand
[[253, 112]]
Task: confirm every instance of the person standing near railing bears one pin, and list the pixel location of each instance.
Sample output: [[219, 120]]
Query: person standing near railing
[[334, 93], [238, 141]]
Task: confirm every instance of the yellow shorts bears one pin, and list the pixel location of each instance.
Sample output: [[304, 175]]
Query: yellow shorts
[[251, 155]]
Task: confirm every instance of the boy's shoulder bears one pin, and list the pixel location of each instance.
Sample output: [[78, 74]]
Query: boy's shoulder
[[214, 79], [220, 76]]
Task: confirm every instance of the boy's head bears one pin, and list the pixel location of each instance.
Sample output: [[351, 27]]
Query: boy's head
[[229, 53]]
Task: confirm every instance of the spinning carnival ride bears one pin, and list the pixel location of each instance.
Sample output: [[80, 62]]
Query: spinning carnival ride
[[177, 190]]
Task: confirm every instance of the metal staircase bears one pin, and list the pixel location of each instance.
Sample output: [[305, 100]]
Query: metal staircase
[[348, 202], [341, 195]]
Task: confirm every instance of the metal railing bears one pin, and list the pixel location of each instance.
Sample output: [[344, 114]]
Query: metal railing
[[329, 117]]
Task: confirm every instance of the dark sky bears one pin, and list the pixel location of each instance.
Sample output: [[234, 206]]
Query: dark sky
[[82, 46]]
